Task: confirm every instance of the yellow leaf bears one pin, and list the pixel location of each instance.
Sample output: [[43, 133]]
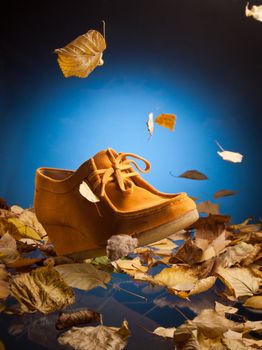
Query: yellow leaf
[[254, 11], [86, 192], [80, 57], [42, 289], [24, 230], [150, 124], [131, 267], [166, 120], [99, 337], [83, 276]]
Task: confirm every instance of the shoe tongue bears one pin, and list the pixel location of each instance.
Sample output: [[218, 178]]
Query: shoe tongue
[[102, 158]]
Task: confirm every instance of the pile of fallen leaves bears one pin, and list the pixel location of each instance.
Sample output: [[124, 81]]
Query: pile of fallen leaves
[[212, 250]]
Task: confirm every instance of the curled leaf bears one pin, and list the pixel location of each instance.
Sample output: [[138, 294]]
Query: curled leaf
[[166, 120], [80, 57], [194, 175], [42, 289], [86, 192], [70, 319], [224, 193]]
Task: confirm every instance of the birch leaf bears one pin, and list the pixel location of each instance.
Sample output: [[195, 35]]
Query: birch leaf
[[240, 281], [97, 338], [42, 289], [254, 302], [233, 157], [166, 120], [208, 208], [224, 193], [86, 192], [254, 11], [150, 124], [194, 175], [80, 57], [83, 276]]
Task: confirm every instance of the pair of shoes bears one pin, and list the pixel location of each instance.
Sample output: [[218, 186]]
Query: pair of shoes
[[127, 205]]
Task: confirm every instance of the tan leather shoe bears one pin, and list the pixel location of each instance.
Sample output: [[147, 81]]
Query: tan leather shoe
[[128, 205]]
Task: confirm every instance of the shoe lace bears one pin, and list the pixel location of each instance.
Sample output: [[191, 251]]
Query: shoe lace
[[119, 171]]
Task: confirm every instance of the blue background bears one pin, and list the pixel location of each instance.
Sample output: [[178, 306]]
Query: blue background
[[201, 60]]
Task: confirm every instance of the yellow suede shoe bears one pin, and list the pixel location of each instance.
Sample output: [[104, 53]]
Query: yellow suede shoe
[[127, 205]]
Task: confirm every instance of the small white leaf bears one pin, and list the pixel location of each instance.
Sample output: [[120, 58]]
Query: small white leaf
[[150, 124], [255, 12], [86, 192], [233, 157]]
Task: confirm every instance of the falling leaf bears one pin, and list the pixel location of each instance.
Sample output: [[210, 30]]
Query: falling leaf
[[42, 289], [165, 332], [70, 319], [166, 120], [83, 276], [86, 192], [99, 337], [236, 254], [80, 57], [254, 11], [120, 245], [240, 281], [224, 193], [194, 175], [254, 302], [4, 285], [208, 207], [233, 157], [150, 124]]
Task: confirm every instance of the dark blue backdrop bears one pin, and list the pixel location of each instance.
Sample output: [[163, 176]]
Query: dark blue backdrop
[[201, 60]]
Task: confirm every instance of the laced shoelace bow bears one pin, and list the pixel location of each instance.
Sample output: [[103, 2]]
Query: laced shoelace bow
[[119, 171]]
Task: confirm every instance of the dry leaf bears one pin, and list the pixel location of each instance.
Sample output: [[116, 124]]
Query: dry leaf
[[21, 230], [224, 193], [221, 309], [83, 276], [96, 338], [4, 285], [188, 253], [70, 319], [208, 207], [214, 248], [233, 157], [150, 124], [185, 337], [166, 120], [253, 256], [22, 262], [254, 11], [80, 57], [194, 175], [131, 267], [8, 251], [165, 332], [210, 227], [86, 192], [120, 245], [202, 285], [236, 254], [42, 289], [240, 281], [254, 302]]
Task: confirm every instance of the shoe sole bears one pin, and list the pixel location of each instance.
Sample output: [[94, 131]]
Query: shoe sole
[[146, 237]]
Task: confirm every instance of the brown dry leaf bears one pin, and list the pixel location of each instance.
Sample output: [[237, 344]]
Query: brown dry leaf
[[42, 289], [22, 262], [185, 337], [254, 302], [221, 309], [166, 120], [253, 256], [87, 193], [210, 227], [150, 124], [129, 266], [73, 318], [8, 251], [83, 276], [236, 254], [80, 57], [224, 193], [229, 156], [214, 248], [208, 207], [202, 285], [4, 285], [188, 253], [254, 11], [194, 175], [235, 344], [165, 332], [240, 281], [210, 343], [99, 338]]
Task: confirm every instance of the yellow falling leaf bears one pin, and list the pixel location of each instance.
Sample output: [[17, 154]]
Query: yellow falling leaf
[[80, 57], [255, 12], [166, 120]]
